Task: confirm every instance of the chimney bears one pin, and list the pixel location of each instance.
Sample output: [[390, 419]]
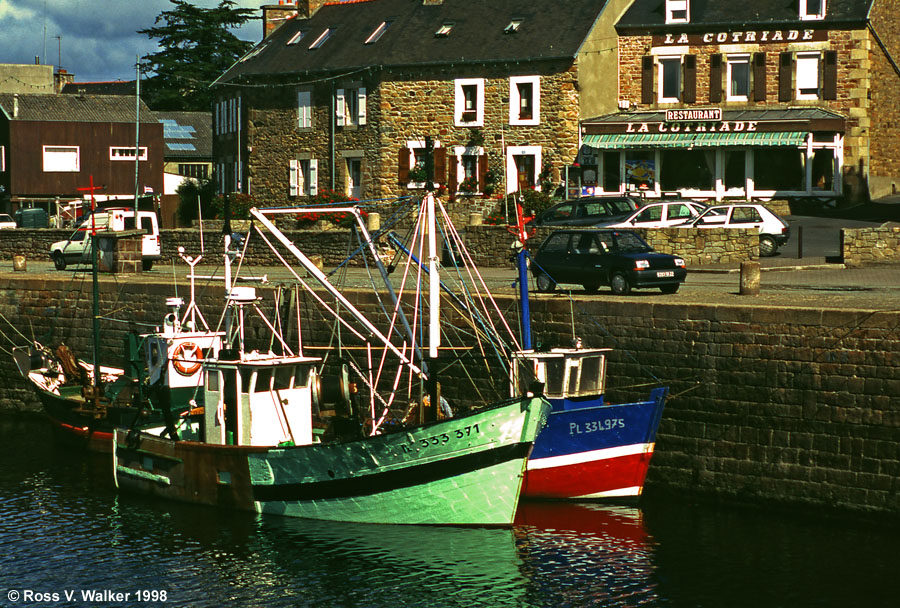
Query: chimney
[[275, 14]]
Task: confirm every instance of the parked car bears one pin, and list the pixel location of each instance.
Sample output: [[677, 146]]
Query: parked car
[[774, 232], [6, 221], [587, 211], [618, 258], [660, 215], [77, 248]]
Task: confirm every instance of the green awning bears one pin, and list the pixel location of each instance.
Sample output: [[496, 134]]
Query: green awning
[[688, 140]]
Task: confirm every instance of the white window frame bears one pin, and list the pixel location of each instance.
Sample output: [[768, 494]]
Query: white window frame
[[344, 114], [806, 15], [318, 42], [127, 153], [57, 163], [379, 31], [2, 159], [515, 100], [295, 38], [661, 63], [348, 162], [460, 99], [458, 153], [304, 109], [304, 177], [731, 61], [412, 146], [444, 30], [513, 26], [512, 183], [675, 8], [803, 62]]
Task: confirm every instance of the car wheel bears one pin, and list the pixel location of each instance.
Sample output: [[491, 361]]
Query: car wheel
[[669, 288], [767, 246], [545, 283], [619, 284], [58, 260], [591, 287], [146, 264]]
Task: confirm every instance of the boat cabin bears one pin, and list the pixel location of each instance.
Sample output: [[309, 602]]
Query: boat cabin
[[566, 373]]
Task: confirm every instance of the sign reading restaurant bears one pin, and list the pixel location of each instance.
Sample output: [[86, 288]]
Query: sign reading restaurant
[[741, 37], [699, 114]]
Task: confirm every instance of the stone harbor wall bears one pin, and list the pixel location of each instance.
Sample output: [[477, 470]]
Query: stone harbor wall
[[861, 246], [792, 406]]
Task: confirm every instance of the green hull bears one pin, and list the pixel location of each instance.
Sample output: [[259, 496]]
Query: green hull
[[462, 471]]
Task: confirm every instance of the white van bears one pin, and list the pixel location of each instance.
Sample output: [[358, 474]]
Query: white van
[[77, 248]]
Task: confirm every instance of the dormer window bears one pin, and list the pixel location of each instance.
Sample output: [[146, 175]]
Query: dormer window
[[295, 38], [678, 11], [318, 42], [513, 26], [444, 30], [812, 9], [379, 32]]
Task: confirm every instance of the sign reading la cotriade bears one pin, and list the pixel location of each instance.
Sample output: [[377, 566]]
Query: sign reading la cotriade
[[741, 37]]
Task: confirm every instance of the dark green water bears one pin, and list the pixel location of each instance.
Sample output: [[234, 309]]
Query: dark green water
[[63, 529]]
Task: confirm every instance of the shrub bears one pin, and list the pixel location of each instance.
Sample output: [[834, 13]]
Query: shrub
[[188, 192]]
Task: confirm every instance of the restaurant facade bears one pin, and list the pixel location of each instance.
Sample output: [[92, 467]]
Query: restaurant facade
[[716, 102]]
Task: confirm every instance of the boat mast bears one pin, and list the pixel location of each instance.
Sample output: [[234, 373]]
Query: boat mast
[[522, 265], [434, 290]]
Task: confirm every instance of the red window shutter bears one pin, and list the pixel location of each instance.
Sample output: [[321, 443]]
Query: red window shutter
[[451, 173], [759, 76], [482, 172], [403, 166], [829, 76], [690, 79], [785, 72], [440, 165], [715, 78], [647, 80]]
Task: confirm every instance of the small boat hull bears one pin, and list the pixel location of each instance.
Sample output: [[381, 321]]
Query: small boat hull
[[594, 450], [461, 471]]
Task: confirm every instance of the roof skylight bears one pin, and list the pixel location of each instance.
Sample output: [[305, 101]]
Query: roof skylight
[[318, 42], [443, 31], [379, 32], [296, 38], [513, 26]]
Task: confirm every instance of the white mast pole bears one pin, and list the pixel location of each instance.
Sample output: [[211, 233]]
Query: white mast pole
[[434, 281]]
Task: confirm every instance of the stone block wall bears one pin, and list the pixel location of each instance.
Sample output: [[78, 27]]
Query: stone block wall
[[797, 406], [861, 246], [883, 98]]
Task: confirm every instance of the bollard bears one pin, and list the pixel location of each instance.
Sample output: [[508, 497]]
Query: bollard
[[373, 222], [475, 219], [19, 263], [750, 276]]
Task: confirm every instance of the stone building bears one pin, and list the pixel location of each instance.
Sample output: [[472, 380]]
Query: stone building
[[341, 95], [735, 99]]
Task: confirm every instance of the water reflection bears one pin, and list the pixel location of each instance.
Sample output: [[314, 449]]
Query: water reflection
[[62, 526]]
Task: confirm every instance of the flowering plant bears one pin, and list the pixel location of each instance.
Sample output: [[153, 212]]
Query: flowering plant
[[468, 185], [326, 198]]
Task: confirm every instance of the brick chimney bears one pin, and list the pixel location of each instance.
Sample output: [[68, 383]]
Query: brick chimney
[[274, 15]]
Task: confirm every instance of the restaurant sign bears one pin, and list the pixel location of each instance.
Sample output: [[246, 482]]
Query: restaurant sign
[[741, 37], [698, 114]]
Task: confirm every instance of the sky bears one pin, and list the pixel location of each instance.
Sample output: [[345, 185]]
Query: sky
[[97, 39]]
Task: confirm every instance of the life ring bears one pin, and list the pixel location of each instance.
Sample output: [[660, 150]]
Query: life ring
[[187, 358]]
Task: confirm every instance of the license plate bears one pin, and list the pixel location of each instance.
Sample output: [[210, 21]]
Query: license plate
[[665, 274]]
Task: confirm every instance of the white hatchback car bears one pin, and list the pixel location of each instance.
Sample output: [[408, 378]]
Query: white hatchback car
[[77, 248], [774, 232], [6, 221], [660, 215]]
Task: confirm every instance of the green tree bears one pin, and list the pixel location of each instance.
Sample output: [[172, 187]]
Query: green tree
[[196, 198], [195, 47]]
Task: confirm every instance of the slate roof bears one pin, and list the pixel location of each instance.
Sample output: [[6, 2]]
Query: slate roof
[[550, 29], [187, 135], [649, 15], [75, 108], [113, 87]]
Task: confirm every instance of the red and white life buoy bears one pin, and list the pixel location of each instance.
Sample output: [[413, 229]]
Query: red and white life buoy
[[186, 358]]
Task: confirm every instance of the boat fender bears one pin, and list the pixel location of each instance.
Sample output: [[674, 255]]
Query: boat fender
[[186, 359]]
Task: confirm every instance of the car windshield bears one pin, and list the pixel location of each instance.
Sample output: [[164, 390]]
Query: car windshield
[[619, 207], [629, 242]]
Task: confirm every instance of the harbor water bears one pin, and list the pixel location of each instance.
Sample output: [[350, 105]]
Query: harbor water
[[67, 538]]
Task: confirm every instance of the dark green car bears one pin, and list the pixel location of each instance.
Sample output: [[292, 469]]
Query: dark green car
[[618, 258]]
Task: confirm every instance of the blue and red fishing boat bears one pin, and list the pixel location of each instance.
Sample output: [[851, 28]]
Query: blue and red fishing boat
[[589, 448]]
